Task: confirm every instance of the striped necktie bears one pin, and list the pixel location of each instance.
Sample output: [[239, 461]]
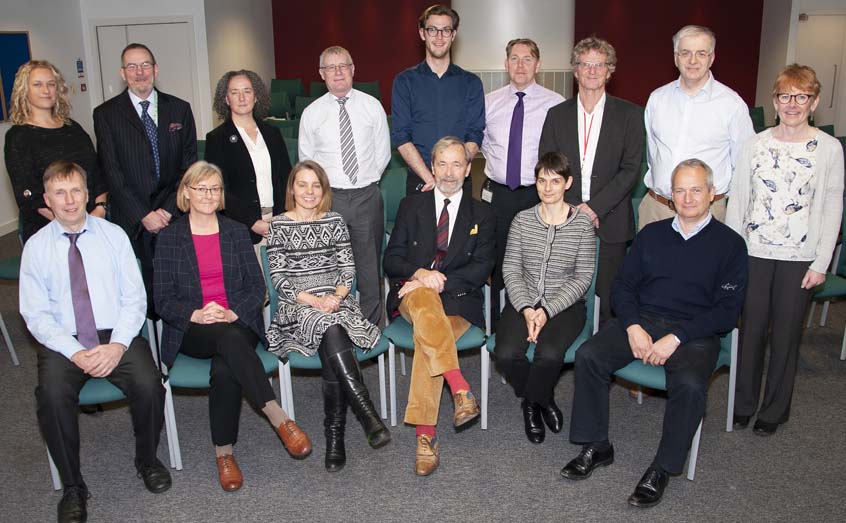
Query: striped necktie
[[443, 236], [347, 143]]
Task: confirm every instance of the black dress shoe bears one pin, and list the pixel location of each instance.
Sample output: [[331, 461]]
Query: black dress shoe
[[741, 422], [155, 475], [762, 428], [650, 489], [552, 416], [532, 421], [582, 466], [72, 507]]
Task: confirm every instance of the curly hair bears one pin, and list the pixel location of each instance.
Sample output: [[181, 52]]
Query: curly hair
[[262, 106], [20, 109]]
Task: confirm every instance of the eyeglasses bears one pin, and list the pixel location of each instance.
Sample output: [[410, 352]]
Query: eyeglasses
[[685, 54], [433, 31], [599, 66], [144, 66], [800, 99], [209, 191], [337, 67]]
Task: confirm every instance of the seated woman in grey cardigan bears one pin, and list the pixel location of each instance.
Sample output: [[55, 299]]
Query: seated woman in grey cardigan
[[548, 267]]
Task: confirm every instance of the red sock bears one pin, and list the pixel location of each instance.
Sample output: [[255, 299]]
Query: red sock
[[456, 381], [425, 430]]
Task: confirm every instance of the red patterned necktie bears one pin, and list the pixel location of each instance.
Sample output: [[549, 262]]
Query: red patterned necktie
[[443, 235]]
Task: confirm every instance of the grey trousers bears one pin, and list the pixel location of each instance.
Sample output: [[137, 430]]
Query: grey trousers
[[362, 211]]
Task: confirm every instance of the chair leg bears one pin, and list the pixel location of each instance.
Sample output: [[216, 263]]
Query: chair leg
[[54, 472], [824, 314], [732, 381], [402, 362], [694, 453], [811, 314], [486, 362], [383, 397], [172, 432], [843, 349], [392, 376], [8, 339], [289, 392], [639, 395]]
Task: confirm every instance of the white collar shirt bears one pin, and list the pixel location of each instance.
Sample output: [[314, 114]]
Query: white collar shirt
[[590, 125], [153, 110], [260, 157], [454, 204], [695, 230]]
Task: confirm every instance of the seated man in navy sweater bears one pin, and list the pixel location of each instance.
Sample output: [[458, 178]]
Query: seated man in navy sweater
[[680, 287]]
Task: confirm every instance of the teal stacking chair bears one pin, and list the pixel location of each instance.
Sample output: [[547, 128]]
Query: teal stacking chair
[[317, 89], [293, 151], [653, 377], [10, 269], [288, 128], [757, 116], [300, 103], [280, 105], [392, 187], [298, 361], [828, 129], [201, 149], [400, 335], [371, 88], [591, 326], [97, 391], [834, 285], [293, 87]]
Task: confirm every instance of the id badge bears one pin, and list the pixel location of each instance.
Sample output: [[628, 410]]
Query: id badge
[[487, 194]]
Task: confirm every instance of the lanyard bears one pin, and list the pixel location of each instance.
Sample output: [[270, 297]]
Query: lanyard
[[587, 134]]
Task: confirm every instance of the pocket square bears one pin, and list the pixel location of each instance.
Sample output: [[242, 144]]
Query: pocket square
[[175, 126], [474, 230]]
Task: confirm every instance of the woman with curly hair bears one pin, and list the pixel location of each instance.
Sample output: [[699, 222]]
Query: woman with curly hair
[[251, 153], [42, 133]]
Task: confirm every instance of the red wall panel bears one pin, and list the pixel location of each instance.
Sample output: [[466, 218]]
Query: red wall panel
[[381, 35], [642, 32]]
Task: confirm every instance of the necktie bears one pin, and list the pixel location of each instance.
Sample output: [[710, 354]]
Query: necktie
[[515, 145], [347, 143], [443, 235], [152, 134], [86, 327]]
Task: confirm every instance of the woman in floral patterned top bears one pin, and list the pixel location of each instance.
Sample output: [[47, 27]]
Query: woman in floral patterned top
[[786, 200]]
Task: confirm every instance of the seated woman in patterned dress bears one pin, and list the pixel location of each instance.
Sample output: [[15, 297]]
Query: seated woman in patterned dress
[[312, 270], [209, 291]]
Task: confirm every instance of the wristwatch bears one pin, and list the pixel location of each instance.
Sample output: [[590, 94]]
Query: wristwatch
[[104, 205]]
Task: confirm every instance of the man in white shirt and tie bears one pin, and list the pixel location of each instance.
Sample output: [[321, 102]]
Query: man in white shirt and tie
[[346, 132], [514, 117], [692, 117]]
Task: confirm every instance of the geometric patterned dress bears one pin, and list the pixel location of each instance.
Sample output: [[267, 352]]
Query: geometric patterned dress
[[314, 257]]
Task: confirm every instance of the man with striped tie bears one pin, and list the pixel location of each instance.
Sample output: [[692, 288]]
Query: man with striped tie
[[346, 132], [440, 254]]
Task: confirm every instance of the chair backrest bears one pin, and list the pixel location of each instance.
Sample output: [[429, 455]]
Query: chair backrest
[[280, 105], [293, 152], [317, 89], [636, 209], [392, 186], [289, 128], [371, 88], [396, 159], [839, 262], [201, 149], [300, 103], [293, 86], [757, 116], [828, 129], [640, 189]]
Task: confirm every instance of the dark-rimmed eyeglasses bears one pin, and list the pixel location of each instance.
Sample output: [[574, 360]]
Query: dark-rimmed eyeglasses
[[799, 98], [433, 31]]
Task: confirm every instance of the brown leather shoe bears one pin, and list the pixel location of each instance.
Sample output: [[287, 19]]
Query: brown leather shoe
[[427, 455], [294, 439], [466, 407], [229, 473]]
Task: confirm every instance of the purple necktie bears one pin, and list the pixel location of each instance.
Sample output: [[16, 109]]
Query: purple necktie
[[443, 236], [515, 145], [86, 327]]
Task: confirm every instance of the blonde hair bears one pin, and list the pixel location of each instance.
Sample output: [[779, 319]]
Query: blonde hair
[[309, 165], [20, 110], [199, 171]]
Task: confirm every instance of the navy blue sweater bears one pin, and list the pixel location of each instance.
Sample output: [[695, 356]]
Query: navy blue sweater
[[700, 283]]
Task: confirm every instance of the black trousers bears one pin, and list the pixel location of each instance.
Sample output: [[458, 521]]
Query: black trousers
[[610, 259], [335, 341], [144, 246], [536, 381], [775, 303], [235, 366], [506, 204], [57, 400], [687, 370]]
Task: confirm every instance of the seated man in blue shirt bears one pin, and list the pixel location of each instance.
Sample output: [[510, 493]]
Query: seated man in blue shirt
[[83, 299], [681, 286], [434, 99]]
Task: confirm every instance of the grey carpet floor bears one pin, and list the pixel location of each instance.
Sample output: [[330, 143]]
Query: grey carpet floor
[[492, 475]]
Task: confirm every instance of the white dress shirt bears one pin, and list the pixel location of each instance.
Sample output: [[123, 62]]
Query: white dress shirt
[[260, 157], [499, 107], [589, 126], [153, 110], [454, 204], [320, 137], [118, 298], [710, 125]]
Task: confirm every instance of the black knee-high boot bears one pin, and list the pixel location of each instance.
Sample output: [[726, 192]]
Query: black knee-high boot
[[335, 412], [346, 369]]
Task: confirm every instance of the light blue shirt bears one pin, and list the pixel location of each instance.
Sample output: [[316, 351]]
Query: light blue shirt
[[153, 110], [693, 232], [114, 281]]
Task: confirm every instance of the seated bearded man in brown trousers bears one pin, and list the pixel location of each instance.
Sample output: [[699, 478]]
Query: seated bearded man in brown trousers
[[440, 254]]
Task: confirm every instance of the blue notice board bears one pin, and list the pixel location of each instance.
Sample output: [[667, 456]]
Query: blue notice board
[[14, 52]]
